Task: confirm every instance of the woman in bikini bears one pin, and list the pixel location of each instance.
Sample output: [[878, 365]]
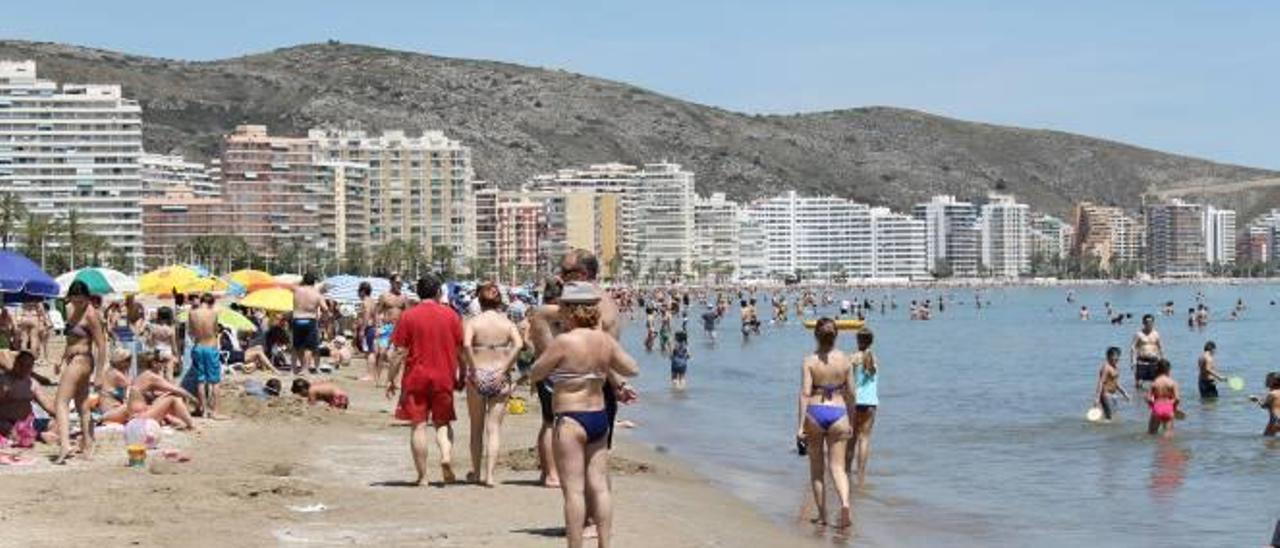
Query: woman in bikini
[[161, 400], [84, 361], [576, 363], [162, 341], [490, 345], [1163, 399], [826, 402]]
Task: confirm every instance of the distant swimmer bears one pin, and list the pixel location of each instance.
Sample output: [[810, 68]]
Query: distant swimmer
[[1146, 351], [680, 361], [826, 403], [1084, 313], [1271, 402], [709, 319], [1163, 399], [1109, 383], [1209, 373]]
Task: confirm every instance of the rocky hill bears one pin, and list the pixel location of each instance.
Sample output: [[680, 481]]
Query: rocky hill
[[524, 120]]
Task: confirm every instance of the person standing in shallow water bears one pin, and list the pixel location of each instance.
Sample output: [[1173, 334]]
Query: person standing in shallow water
[[1109, 383], [1147, 350], [1163, 399], [1209, 373], [866, 377], [825, 405]]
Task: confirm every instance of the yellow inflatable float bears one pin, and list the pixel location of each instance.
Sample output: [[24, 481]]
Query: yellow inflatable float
[[840, 324]]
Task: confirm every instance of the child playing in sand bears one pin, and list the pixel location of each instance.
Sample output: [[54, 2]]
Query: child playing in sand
[[680, 361], [321, 391], [1271, 402]]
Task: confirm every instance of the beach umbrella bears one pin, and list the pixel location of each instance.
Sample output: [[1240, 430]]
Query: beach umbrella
[[166, 280], [346, 289], [288, 279], [228, 318], [248, 278], [22, 279], [276, 299], [101, 281], [207, 284]]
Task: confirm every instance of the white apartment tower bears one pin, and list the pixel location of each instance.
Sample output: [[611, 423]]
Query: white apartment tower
[[1006, 245], [1219, 226], [815, 236], [75, 147], [420, 187], [898, 245], [164, 172], [951, 234], [664, 233], [753, 257], [716, 228]]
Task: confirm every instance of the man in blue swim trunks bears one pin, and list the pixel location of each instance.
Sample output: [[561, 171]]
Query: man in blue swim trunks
[[206, 364], [308, 304]]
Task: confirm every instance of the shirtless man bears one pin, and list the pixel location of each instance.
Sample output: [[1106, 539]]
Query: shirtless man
[[206, 365], [1146, 351], [17, 390], [490, 344], [367, 331], [1109, 383], [1209, 373], [308, 305], [390, 305]]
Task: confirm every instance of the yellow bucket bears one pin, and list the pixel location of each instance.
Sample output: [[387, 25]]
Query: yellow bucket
[[517, 405]]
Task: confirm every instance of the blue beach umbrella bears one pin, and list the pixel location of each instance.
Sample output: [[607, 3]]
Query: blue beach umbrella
[[21, 279]]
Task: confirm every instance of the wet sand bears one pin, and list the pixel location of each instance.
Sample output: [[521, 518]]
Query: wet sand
[[251, 478]]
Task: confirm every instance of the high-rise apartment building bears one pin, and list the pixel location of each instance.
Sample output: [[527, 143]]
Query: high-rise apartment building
[[72, 147], [820, 237], [164, 172], [420, 187], [1005, 236], [1175, 240], [1219, 227], [518, 228], [753, 257], [952, 235], [898, 246], [716, 228], [344, 208], [175, 218], [272, 192], [1109, 234], [1050, 237]]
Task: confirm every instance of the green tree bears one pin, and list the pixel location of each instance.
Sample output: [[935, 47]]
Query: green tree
[[12, 212], [442, 258], [38, 232]]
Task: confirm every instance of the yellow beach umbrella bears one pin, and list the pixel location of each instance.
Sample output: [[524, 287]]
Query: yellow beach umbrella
[[274, 299], [208, 284], [249, 278], [228, 318], [166, 280]]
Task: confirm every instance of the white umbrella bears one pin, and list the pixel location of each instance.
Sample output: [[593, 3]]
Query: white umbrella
[[120, 282]]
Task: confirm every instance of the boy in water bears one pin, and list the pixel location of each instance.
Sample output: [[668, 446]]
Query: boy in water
[[1109, 383], [1163, 399], [1270, 402], [680, 361], [1209, 373], [321, 391]]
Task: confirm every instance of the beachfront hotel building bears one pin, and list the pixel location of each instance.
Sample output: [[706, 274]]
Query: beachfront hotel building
[[1175, 240], [344, 211], [176, 217], [1005, 237], [1219, 227], [952, 235], [815, 237], [420, 187], [1050, 237], [518, 229], [164, 172], [1260, 237], [753, 258], [272, 193], [656, 210], [1108, 234], [73, 147], [898, 248], [716, 227]]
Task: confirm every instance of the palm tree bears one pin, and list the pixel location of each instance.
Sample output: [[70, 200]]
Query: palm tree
[[94, 246], [12, 210], [37, 233]]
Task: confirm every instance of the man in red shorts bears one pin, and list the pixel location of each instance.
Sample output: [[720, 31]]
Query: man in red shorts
[[427, 339]]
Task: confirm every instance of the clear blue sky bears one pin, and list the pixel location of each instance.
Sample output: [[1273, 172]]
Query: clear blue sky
[[1199, 78]]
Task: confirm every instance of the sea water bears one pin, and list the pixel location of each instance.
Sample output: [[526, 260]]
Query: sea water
[[980, 438]]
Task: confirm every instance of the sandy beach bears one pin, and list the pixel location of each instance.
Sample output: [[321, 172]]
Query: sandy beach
[[281, 473]]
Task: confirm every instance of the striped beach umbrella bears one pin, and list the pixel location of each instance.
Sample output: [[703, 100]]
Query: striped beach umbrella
[[101, 281]]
